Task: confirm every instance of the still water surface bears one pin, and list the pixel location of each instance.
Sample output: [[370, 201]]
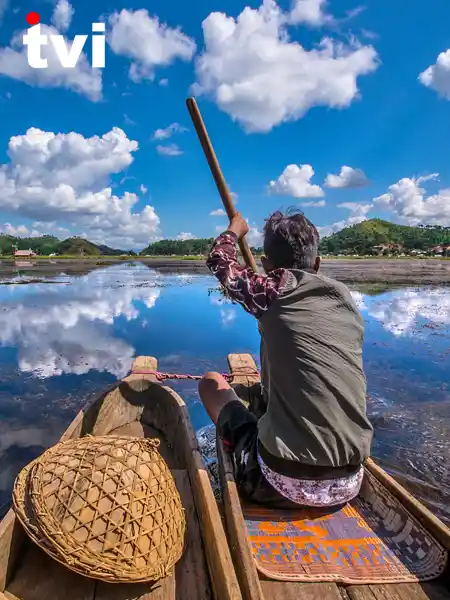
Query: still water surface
[[65, 339]]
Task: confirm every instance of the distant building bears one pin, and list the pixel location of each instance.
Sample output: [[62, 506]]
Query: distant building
[[24, 253], [388, 248], [440, 250]]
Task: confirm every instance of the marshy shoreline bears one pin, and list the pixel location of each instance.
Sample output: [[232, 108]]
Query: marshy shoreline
[[403, 271]]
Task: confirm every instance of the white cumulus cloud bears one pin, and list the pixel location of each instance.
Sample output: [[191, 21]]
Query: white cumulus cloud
[[356, 207], [169, 150], [358, 215], [409, 202], [347, 178], [256, 74], [295, 181], [62, 15], [82, 79], [437, 76], [219, 212], [185, 235], [16, 231], [309, 12], [255, 237], [315, 204], [164, 134], [147, 42], [65, 176], [38, 229]]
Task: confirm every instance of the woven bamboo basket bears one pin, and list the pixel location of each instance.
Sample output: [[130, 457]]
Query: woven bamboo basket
[[106, 507]]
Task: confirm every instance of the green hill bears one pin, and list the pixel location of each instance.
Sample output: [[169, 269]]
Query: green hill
[[362, 238], [76, 245], [48, 244]]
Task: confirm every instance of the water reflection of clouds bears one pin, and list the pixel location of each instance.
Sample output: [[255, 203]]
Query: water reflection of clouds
[[358, 297], [401, 311], [226, 310], [68, 329]]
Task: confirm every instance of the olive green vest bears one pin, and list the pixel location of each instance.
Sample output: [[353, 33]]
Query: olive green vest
[[312, 374]]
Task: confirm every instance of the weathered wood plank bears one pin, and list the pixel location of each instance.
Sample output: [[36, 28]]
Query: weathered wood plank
[[434, 525], [220, 565], [399, 591], [144, 363], [160, 590], [12, 537], [125, 403], [240, 366], [191, 572], [279, 590], [39, 577], [242, 557]]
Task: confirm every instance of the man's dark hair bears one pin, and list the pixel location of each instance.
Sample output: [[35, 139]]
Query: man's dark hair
[[290, 240]]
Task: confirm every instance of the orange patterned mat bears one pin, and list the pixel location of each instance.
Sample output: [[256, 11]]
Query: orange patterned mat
[[374, 539]]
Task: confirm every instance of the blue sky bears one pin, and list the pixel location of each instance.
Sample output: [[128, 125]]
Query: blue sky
[[291, 93]]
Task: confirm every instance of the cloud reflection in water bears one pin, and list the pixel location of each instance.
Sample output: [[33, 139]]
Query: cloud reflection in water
[[68, 329]]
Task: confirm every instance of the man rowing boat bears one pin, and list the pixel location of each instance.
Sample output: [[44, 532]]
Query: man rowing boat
[[309, 446]]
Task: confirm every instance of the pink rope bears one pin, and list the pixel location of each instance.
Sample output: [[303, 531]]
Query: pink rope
[[163, 376]]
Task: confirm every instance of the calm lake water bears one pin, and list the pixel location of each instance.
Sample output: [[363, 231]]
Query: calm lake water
[[65, 339]]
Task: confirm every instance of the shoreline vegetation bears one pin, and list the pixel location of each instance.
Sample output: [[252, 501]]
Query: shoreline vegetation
[[193, 258], [370, 238], [373, 251]]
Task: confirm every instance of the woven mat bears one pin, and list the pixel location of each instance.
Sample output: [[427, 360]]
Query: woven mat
[[372, 540]]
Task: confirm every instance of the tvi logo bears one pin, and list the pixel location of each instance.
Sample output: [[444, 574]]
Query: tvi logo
[[67, 56]]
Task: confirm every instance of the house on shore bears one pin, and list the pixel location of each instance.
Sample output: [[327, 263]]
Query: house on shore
[[441, 249], [388, 249], [24, 253]]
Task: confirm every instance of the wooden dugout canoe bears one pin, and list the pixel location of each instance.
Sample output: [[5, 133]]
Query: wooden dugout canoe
[[137, 406], [255, 586]]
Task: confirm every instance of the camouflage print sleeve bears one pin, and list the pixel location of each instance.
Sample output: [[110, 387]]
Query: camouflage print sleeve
[[254, 292]]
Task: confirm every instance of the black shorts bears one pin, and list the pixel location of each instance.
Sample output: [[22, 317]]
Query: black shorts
[[238, 429]]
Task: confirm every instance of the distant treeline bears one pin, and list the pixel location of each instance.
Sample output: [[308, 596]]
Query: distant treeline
[[366, 238], [49, 244], [198, 247], [179, 247]]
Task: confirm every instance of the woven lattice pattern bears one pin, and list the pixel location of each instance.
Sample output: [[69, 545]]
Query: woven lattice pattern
[[107, 507]]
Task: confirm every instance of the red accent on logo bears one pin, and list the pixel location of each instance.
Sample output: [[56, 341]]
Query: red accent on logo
[[33, 18]]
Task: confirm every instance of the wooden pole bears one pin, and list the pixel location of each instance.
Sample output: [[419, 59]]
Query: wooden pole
[[218, 176]]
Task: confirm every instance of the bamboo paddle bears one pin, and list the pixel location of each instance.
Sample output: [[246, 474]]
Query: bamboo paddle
[[218, 176]]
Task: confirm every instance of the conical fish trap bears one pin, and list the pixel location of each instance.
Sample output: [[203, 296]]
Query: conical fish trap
[[106, 507]]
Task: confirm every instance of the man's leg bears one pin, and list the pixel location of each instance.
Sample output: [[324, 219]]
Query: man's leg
[[215, 393]]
